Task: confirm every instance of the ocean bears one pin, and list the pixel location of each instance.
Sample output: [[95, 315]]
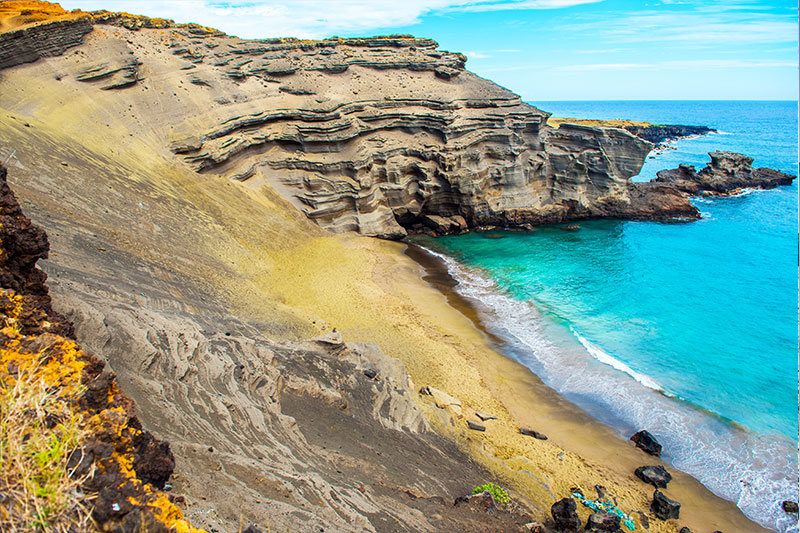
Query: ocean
[[687, 330]]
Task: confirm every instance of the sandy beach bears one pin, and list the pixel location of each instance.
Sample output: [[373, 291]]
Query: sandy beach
[[438, 337]]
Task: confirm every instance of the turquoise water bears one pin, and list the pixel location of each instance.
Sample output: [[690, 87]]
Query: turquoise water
[[687, 329]]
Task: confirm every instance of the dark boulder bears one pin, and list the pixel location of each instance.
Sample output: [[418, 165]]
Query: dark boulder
[[564, 515], [655, 475], [728, 172], [645, 441], [483, 501], [685, 530], [533, 433], [602, 522], [789, 506], [663, 507], [475, 425]]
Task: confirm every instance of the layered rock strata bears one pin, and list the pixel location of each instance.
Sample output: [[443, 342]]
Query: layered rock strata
[[727, 173]]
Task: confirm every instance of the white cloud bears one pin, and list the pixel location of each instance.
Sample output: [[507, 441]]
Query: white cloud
[[307, 18], [728, 63], [701, 26], [605, 66], [477, 55]]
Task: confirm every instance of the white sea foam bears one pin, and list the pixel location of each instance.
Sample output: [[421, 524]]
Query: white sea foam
[[755, 472], [604, 357]]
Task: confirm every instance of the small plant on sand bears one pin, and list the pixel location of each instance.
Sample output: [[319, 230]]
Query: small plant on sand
[[500, 495], [38, 433]]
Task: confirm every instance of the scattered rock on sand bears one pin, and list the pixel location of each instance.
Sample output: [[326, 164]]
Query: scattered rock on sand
[[789, 506], [535, 527], [477, 426], [655, 475], [685, 530], [251, 529], [443, 400], [602, 522], [564, 515], [485, 416], [533, 433], [481, 502], [645, 441], [663, 507]]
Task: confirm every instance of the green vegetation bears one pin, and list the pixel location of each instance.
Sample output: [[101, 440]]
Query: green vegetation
[[500, 495], [39, 431]]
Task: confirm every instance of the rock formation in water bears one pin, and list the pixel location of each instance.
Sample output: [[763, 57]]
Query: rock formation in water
[[727, 173], [659, 134]]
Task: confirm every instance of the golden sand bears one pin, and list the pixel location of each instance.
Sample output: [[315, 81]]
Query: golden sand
[[371, 291]]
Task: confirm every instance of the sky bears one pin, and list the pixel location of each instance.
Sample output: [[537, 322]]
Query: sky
[[548, 49]]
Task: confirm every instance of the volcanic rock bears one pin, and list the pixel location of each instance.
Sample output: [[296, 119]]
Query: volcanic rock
[[663, 507], [602, 522], [483, 501], [565, 515], [728, 172], [645, 441], [789, 506], [655, 475]]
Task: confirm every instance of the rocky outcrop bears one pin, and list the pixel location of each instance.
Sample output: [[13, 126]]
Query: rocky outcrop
[[727, 173], [385, 136], [117, 76], [660, 134], [32, 30]]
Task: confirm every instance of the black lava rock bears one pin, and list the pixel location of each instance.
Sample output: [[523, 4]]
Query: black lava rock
[[645, 441], [664, 508], [789, 506], [655, 475], [564, 515], [602, 522]]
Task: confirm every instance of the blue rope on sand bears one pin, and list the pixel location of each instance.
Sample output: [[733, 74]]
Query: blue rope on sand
[[606, 507]]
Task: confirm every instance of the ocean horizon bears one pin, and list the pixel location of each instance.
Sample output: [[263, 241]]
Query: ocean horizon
[[687, 330]]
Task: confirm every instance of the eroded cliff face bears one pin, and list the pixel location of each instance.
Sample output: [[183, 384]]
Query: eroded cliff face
[[381, 136], [388, 135]]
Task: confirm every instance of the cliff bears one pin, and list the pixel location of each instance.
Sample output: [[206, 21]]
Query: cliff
[[658, 134], [382, 136]]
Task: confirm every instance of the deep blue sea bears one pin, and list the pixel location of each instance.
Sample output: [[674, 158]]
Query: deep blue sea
[[688, 330]]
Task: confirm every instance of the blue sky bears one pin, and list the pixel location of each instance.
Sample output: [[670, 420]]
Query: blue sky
[[549, 49]]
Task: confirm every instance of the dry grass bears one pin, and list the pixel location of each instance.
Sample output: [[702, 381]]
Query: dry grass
[[39, 431]]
